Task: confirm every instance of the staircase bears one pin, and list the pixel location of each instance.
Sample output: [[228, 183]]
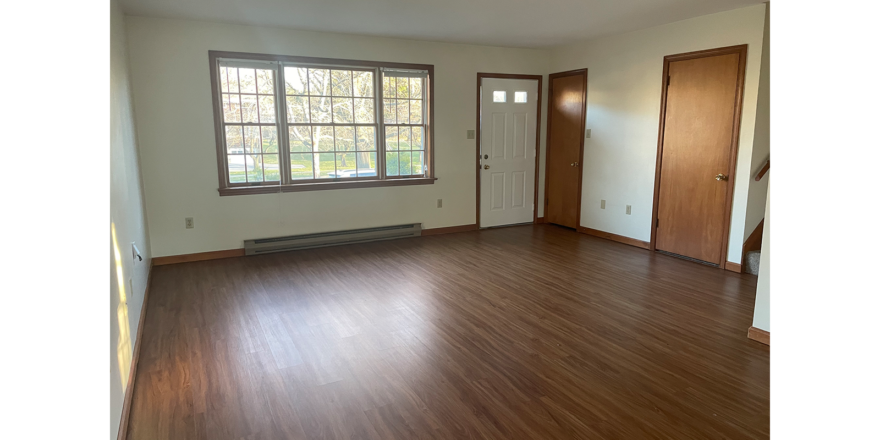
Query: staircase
[[752, 246]]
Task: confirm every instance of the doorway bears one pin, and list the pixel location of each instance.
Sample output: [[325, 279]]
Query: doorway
[[566, 121], [701, 105], [509, 117]]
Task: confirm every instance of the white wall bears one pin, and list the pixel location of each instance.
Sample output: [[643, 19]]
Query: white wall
[[169, 68], [761, 144], [761, 318], [128, 223], [623, 111]]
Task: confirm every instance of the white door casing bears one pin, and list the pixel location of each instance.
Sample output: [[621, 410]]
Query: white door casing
[[508, 138]]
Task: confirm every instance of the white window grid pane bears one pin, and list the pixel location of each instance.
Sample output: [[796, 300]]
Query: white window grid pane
[[333, 122], [398, 151], [394, 98], [227, 94], [247, 158]]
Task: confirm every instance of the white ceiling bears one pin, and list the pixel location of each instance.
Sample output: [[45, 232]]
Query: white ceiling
[[513, 23]]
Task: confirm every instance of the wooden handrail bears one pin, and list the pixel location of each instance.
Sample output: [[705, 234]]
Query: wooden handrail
[[763, 171]]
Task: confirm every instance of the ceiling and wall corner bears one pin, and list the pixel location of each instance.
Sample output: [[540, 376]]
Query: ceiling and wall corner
[[507, 23], [623, 112], [128, 223]]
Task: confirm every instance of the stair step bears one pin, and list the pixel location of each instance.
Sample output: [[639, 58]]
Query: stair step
[[753, 261]]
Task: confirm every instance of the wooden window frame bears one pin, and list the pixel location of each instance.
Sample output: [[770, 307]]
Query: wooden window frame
[[286, 184]]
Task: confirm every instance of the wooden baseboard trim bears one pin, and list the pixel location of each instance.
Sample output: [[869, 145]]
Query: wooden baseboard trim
[[449, 230], [230, 253], [614, 237], [733, 267], [122, 434], [201, 256], [540, 220], [762, 336]]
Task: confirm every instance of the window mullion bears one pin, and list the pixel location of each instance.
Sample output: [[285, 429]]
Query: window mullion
[[281, 118], [379, 97]]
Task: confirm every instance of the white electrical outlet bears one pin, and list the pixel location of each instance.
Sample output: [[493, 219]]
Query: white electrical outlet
[[629, 209], [589, 132], [439, 203], [603, 204], [471, 134], [189, 223]]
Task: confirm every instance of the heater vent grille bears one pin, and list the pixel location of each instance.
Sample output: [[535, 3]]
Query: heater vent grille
[[336, 238]]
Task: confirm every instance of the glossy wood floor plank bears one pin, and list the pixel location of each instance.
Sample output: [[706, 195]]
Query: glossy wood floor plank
[[514, 333]]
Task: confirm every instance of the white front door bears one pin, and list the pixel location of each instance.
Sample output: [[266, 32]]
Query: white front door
[[508, 120]]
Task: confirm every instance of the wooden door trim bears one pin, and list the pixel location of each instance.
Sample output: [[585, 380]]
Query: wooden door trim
[[583, 133], [742, 51], [540, 79]]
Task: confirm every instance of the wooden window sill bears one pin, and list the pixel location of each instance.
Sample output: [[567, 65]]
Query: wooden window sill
[[271, 189]]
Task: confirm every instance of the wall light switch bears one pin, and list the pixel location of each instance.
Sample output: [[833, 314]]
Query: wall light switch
[[189, 223], [589, 132], [629, 209], [471, 134], [603, 204], [439, 203]]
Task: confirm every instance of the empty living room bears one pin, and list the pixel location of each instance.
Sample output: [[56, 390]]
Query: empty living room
[[390, 219]]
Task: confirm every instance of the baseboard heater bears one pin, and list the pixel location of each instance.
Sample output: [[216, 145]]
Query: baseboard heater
[[322, 239]]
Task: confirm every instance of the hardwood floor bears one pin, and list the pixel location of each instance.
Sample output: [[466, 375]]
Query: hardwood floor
[[532, 332]]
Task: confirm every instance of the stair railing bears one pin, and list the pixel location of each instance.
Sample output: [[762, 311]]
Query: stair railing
[[763, 171]]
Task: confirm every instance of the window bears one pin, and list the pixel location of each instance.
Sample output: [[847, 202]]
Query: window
[[296, 124], [404, 101], [499, 96], [249, 124], [520, 97]]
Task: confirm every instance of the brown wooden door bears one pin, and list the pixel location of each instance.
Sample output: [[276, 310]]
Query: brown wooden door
[[565, 142], [698, 136]]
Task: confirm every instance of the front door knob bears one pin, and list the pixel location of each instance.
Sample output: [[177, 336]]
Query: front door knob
[[485, 167], [720, 177]]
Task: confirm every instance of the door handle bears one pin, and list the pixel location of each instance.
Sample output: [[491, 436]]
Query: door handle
[[574, 164], [720, 177], [485, 167]]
